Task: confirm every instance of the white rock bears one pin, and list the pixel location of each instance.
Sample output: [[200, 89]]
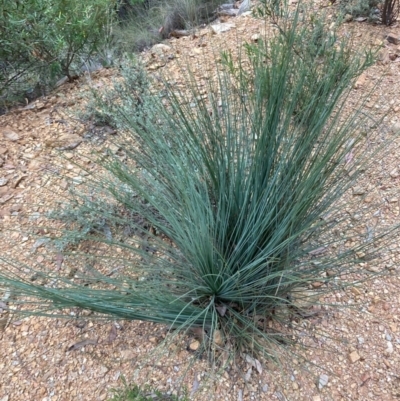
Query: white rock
[[222, 27], [322, 381]]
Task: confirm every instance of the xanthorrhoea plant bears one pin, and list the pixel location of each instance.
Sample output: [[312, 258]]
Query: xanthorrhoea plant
[[234, 196]]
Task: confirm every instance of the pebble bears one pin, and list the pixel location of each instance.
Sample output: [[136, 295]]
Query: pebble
[[194, 346], [354, 357], [359, 191], [348, 18], [265, 388], [322, 381], [360, 340], [388, 337], [389, 349]]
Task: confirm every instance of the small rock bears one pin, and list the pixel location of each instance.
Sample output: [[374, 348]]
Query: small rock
[[103, 370], [373, 269], [388, 337], [316, 398], [360, 81], [15, 208], [218, 338], [5, 198], [295, 386], [317, 284], [348, 18], [160, 50], [354, 357], [194, 346], [10, 135], [265, 388], [359, 191], [3, 181], [114, 148], [255, 37], [223, 27], [393, 39], [360, 340], [64, 142], [322, 381], [396, 128], [78, 180], [389, 349], [394, 173], [5, 398], [64, 184], [127, 354]]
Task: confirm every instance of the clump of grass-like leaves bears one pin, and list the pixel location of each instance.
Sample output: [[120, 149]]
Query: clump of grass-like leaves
[[237, 197]]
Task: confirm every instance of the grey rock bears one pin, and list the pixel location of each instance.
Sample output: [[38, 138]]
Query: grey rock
[[322, 381]]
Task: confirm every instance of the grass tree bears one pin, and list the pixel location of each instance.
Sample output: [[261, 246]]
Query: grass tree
[[234, 201]]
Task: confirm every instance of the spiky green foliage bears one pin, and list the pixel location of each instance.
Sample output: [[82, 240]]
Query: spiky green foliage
[[146, 23], [135, 393], [236, 198], [361, 8]]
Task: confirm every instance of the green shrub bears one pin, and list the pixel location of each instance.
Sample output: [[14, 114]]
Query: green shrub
[[361, 8], [42, 40], [145, 23], [240, 196]]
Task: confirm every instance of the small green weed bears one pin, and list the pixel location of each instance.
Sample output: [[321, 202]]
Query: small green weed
[[135, 393]]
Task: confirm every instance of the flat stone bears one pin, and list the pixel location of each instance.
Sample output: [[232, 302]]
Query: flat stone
[[393, 39], [222, 27], [359, 191], [354, 357], [10, 135], [322, 381], [64, 142]]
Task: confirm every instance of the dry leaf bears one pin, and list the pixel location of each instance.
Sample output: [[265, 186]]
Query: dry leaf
[[254, 362], [112, 335], [59, 260], [195, 385], [81, 344], [317, 251], [221, 310]]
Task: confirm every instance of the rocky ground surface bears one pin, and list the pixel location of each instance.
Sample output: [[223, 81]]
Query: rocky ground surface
[[44, 359]]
